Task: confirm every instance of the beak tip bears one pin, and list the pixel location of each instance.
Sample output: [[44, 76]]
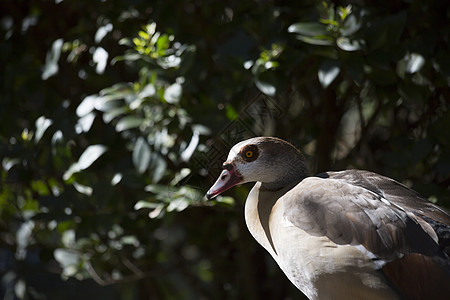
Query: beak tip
[[209, 195]]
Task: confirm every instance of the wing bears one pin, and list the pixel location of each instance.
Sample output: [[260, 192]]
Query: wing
[[389, 220], [403, 197], [350, 214]]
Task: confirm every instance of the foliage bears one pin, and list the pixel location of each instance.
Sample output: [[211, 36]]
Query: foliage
[[116, 115]]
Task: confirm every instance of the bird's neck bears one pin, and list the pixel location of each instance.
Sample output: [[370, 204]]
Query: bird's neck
[[290, 176]]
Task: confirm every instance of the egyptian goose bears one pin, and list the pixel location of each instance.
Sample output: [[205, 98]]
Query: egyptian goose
[[340, 235]]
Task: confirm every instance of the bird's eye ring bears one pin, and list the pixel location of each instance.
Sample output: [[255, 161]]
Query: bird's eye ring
[[249, 154]]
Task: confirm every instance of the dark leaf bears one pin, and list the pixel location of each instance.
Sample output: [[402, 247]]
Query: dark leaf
[[141, 155]]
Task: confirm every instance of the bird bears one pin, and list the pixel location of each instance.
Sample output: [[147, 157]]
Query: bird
[[350, 234]]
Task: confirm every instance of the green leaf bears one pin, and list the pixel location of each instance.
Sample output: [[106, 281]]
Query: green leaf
[[224, 200], [319, 41], [183, 173], [187, 153], [87, 158], [148, 91], [328, 71], [85, 122], [265, 87], [128, 122], [178, 204], [156, 188], [350, 26], [42, 124], [51, 61], [141, 155], [66, 257], [86, 106], [145, 204], [83, 189], [8, 163], [108, 103], [173, 93], [90, 155], [309, 29], [110, 115], [349, 45], [414, 62], [158, 165], [202, 129]]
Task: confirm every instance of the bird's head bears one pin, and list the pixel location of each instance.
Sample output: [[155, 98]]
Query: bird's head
[[269, 160]]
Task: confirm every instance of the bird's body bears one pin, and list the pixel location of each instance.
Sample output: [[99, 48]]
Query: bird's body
[[312, 263], [340, 235]]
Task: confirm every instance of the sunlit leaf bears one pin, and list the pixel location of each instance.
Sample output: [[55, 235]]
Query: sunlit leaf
[[116, 179], [183, 173], [310, 29], [148, 91], [350, 26], [42, 124], [414, 62], [349, 45], [156, 188], [20, 289], [90, 155], [173, 93], [68, 238], [83, 189], [328, 71], [265, 87], [8, 163], [86, 106], [201, 129], [102, 31], [87, 158], [66, 257], [128, 122], [108, 103], [100, 57], [224, 200], [145, 204], [86, 121], [187, 153], [51, 61], [23, 237], [141, 155], [319, 41], [157, 211], [178, 204], [112, 114]]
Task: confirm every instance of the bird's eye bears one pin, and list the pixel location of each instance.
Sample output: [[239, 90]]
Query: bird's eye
[[249, 153]]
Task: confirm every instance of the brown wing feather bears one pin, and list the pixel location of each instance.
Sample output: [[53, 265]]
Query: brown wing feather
[[418, 277]]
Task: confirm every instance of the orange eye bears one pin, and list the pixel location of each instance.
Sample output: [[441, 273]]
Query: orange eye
[[249, 154]]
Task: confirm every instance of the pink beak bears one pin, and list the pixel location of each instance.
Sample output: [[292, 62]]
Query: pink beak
[[227, 179]]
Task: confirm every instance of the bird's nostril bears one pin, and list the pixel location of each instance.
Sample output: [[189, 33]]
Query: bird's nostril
[[223, 177], [227, 166]]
